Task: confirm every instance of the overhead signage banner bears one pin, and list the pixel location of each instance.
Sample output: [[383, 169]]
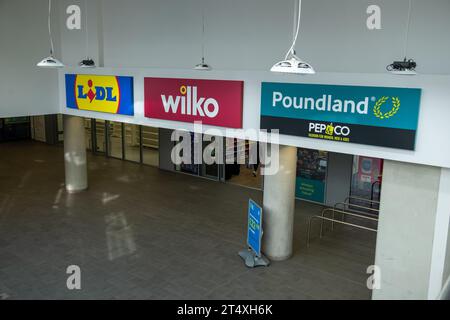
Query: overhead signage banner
[[254, 231], [109, 94], [379, 116], [213, 102]]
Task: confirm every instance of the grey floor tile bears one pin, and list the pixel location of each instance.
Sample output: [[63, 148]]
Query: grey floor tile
[[142, 233]]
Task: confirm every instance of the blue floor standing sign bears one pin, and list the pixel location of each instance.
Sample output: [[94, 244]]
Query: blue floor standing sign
[[254, 227], [253, 256]]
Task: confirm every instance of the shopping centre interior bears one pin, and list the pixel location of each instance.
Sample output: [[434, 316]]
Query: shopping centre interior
[[156, 234], [357, 208]]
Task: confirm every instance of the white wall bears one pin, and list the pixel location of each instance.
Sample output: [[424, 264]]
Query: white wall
[[254, 34], [24, 88]]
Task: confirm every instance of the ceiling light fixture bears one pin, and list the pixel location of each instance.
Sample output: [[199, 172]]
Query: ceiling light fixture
[[203, 66], [50, 61], [407, 66], [292, 63], [87, 62]]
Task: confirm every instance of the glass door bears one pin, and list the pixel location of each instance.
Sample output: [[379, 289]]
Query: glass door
[[100, 136], [238, 167], [132, 142], [366, 181], [150, 145], [211, 170], [115, 134], [88, 133], [191, 167]]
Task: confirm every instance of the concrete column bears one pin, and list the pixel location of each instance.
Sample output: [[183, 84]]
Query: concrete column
[[412, 231], [75, 154], [279, 204]]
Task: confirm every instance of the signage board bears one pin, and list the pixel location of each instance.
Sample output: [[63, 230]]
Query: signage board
[[254, 232], [379, 116], [311, 174], [213, 102], [101, 93]]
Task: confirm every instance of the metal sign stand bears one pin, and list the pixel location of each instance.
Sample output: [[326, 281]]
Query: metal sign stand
[[252, 260], [252, 255]]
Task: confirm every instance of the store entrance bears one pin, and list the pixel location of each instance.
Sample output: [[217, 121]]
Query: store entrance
[[322, 175], [210, 170], [15, 129], [367, 175], [99, 127], [123, 141], [239, 169]]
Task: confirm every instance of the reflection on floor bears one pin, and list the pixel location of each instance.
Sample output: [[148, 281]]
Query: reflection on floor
[[142, 233]]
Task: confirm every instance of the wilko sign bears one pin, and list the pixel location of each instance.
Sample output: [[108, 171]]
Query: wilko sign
[[213, 102], [100, 93]]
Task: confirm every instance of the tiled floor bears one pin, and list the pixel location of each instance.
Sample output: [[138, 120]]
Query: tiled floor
[[142, 233]]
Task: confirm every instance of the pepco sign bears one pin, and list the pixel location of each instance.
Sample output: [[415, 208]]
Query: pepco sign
[[213, 102]]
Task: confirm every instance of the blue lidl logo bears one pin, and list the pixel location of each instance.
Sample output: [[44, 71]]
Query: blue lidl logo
[[368, 114], [110, 94]]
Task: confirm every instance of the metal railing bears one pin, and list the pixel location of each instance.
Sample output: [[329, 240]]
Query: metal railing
[[371, 217], [350, 206], [343, 213], [337, 221]]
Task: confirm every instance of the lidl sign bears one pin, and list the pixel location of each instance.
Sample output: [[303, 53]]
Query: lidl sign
[[102, 93], [379, 116]]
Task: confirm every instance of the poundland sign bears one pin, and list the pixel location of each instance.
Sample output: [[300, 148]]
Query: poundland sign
[[379, 116]]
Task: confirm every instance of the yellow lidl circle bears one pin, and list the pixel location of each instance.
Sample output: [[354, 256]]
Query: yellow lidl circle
[[97, 93]]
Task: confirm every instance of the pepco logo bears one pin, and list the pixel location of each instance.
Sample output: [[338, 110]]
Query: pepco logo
[[189, 103], [97, 93], [329, 129]]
